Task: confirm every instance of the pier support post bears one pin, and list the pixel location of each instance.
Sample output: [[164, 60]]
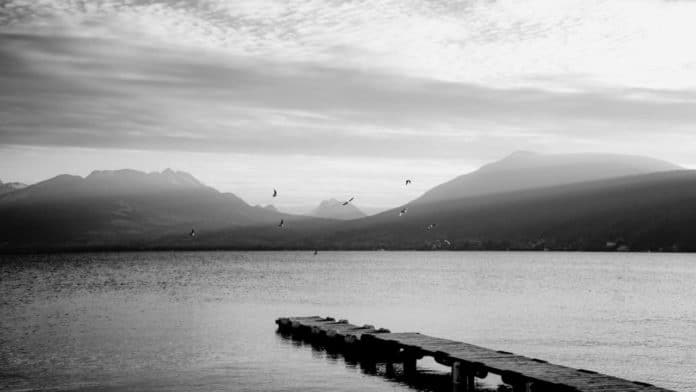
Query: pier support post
[[410, 366], [462, 380], [523, 386], [389, 369], [526, 387], [368, 366]]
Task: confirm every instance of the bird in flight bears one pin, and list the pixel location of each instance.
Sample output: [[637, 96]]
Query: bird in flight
[[403, 211], [193, 233], [275, 192], [408, 182], [447, 242], [430, 226], [282, 223], [345, 203]]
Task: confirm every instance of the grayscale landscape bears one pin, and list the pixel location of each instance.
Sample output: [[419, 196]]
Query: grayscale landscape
[[285, 195]]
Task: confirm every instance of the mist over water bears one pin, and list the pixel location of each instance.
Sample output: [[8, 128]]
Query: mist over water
[[179, 321]]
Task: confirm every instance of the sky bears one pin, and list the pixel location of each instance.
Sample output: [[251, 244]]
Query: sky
[[323, 99]]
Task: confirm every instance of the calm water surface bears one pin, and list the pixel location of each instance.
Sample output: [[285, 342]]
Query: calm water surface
[[204, 321]]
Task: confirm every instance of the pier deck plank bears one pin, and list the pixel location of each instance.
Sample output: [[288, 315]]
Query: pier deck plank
[[520, 367]]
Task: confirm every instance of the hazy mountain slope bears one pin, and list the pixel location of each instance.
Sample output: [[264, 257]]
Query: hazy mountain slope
[[647, 212], [526, 170], [334, 209], [123, 207], [134, 211], [10, 187]]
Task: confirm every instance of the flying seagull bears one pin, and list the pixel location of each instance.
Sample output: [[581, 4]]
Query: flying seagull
[[408, 182], [447, 243], [275, 192], [403, 211], [193, 233], [282, 223], [430, 226], [345, 203]]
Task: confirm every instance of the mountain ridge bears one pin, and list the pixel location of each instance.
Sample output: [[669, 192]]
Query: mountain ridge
[[9, 187], [129, 209], [120, 208], [649, 212], [527, 170], [334, 209]]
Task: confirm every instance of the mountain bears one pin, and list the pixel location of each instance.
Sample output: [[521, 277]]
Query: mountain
[[650, 212], [122, 208], [645, 212], [127, 209], [334, 209], [269, 207], [10, 187], [527, 170]]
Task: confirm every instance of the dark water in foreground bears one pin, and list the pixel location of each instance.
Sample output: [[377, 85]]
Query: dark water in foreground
[[204, 321]]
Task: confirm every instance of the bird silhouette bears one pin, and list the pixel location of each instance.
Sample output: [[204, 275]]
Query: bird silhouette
[[315, 252], [193, 233], [430, 226], [408, 182], [403, 211], [345, 203], [447, 242], [282, 223], [275, 192]]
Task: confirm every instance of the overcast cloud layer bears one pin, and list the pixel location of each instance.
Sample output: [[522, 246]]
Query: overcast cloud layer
[[365, 91]]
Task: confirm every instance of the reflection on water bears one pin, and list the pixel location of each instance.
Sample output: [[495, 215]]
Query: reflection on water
[[424, 379], [202, 321]]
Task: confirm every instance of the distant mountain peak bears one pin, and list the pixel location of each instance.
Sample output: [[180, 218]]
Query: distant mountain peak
[[329, 202], [334, 209], [181, 178], [10, 187], [166, 177], [536, 158], [103, 174], [526, 170]]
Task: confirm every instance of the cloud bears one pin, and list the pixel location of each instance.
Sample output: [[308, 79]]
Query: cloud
[[88, 92], [630, 43]]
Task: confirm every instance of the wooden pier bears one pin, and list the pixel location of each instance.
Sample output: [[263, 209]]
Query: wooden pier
[[467, 361]]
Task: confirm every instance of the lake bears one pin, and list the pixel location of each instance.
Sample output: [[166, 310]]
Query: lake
[[204, 321]]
